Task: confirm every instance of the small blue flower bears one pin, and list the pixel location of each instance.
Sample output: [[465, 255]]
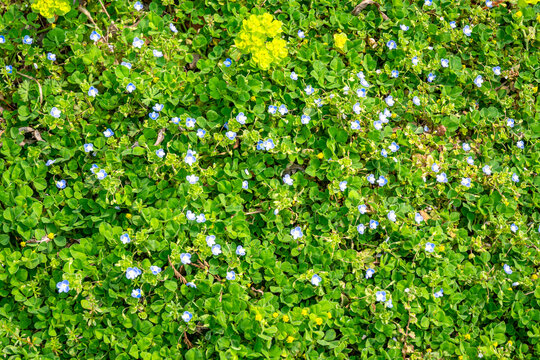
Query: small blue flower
[[414, 60], [431, 77], [403, 27], [392, 216], [160, 153], [190, 123], [373, 224], [357, 109], [93, 168], [157, 107], [201, 218], [316, 280], [63, 286], [362, 208], [445, 63], [138, 6], [240, 251], [380, 296], [371, 179], [126, 64], [245, 185], [185, 258], [393, 146], [132, 273], [191, 285], [442, 178], [210, 240], [283, 109], [309, 90], [88, 147], [51, 57], [428, 2], [27, 40], [453, 24], [478, 81], [361, 92], [227, 62], [296, 233], [153, 115], [136, 293], [125, 239], [294, 76], [418, 218], [389, 100], [355, 125], [241, 118], [55, 112], [94, 36], [520, 144], [377, 124], [305, 119], [384, 153], [514, 228], [231, 135], [391, 45], [288, 180], [343, 185], [361, 229], [216, 249], [201, 133], [231, 275], [138, 43], [382, 181], [61, 184], [497, 70], [301, 34], [108, 133], [467, 30], [470, 160], [93, 92], [430, 247], [439, 293], [466, 147], [155, 269], [416, 101], [101, 174], [130, 88], [2, 39], [9, 69], [487, 170], [395, 73], [369, 273], [192, 179], [187, 316], [173, 28], [50, 162], [466, 182], [507, 269], [272, 109]]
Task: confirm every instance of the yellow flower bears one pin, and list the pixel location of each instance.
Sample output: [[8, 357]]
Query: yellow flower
[[538, 18], [23, 243], [128, 216], [467, 337], [50, 236], [304, 312], [290, 339], [428, 351], [320, 155], [318, 321], [258, 317], [519, 14], [340, 40], [495, 344], [534, 276], [460, 357], [329, 315], [286, 318], [510, 342], [275, 315]]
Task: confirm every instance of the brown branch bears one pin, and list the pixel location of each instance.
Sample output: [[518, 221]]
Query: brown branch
[[176, 272], [364, 4], [258, 211], [85, 12], [160, 136], [187, 342], [35, 133]]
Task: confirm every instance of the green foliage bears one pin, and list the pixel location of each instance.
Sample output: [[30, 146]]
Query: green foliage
[[485, 237]]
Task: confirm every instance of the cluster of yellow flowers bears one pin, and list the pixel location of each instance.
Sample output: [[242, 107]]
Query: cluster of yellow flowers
[[340, 40], [260, 37], [49, 8]]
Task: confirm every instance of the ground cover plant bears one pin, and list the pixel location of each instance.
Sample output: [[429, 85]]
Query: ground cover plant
[[269, 179]]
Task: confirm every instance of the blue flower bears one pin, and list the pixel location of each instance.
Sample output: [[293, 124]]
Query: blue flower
[[191, 285], [515, 178], [305, 119], [301, 34], [453, 24], [108, 133], [175, 120], [51, 56], [101, 174], [185, 258], [467, 30], [373, 224], [160, 153], [466, 147], [380, 296], [393, 146], [369, 273], [445, 63], [430, 247], [487, 170], [210, 240], [55, 112], [9, 69], [428, 2], [416, 101], [377, 124], [61, 184], [514, 228], [93, 168], [442, 178], [382, 181], [192, 179], [507, 269], [190, 158], [50, 162], [371, 179], [294, 76], [93, 92], [520, 144], [309, 90], [478, 81], [125, 239], [391, 45], [190, 122], [288, 180], [94, 36], [355, 125], [241, 118], [27, 40], [138, 43], [418, 218], [283, 109], [361, 92], [63, 286], [296, 233], [362, 208], [439, 293], [186, 316], [201, 133], [136, 293], [173, 28], [316, 280], [361, 229], [268, 144], [201, 218], [231, 275], [227, 62], [126, 64], [132, 273], [240, 250], [155, 269], [384, 153], [138, 6], [414, 60], [88, 147], [343, 185], [356, 108], [497, 70], [2, 39], [389, 100], [272, 109], [431, 77], [392, 216], [470, 161], [130, 88], [231, 135], [395, 73], [403, 27], [466, 182], [157, 107], [245, 185]]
